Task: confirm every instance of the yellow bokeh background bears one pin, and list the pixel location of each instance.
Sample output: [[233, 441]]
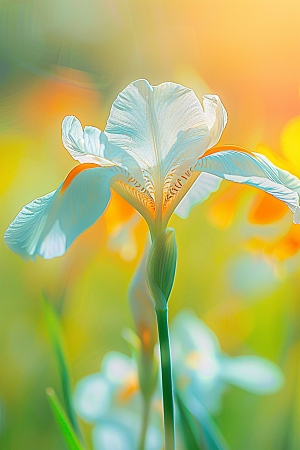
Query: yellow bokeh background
[[63, 57]]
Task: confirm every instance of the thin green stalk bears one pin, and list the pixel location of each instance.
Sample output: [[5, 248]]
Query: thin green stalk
[[58, 348], [145, 423], [69, 408], [166, 376], [63, 421]]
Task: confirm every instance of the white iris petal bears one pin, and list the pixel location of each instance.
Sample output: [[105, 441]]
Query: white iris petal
[[154, 147]]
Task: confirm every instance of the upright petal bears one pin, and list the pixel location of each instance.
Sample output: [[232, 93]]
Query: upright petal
[[241, 166], [161, 127], [252, 373], [191, 144], [96, 143], [216, 118], [92, 146], [49, 225], [72, 137]]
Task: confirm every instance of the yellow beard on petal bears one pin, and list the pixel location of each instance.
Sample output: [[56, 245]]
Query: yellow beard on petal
[[178, 190], [141, 201]]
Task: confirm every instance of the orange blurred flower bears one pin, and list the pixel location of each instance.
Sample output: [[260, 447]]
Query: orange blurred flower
[[265, 209]]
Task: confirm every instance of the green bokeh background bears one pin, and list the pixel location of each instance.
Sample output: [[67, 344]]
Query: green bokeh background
[[65, 57]]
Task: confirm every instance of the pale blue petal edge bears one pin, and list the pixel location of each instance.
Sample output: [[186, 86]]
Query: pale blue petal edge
[[255, 170], [49, 225]]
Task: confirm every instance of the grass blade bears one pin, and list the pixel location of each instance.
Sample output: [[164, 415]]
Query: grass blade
[[58, 349], [212, 435], [200, 431], [188, 432], [63, 422]]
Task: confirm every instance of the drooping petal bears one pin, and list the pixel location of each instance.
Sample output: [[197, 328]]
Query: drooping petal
[[289, 180], [205, 185], [242, 166], [252, 373], [92, 397], [161, 127], [48, 225]]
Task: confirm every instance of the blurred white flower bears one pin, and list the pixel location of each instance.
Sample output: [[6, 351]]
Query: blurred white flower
[[202, 371], [111, 400]]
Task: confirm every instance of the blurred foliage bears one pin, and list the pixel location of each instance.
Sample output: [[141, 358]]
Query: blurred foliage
[[61, 57]]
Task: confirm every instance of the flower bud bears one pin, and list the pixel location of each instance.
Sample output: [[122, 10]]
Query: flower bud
[[143, 313], [161, 267]]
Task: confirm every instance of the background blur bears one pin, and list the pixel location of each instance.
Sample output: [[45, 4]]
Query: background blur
[[239, 256]]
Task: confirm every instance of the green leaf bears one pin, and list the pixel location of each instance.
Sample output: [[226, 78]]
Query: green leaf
[[59, 352], [63, 422], [188, 431], [161, 267], [199, 430], [211, 433]]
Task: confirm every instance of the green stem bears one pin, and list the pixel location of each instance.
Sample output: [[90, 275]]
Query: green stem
[[145, 424], [166, 376]]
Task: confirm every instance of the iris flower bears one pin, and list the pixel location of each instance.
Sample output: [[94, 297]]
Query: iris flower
[[203, 372], [156, 143]]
